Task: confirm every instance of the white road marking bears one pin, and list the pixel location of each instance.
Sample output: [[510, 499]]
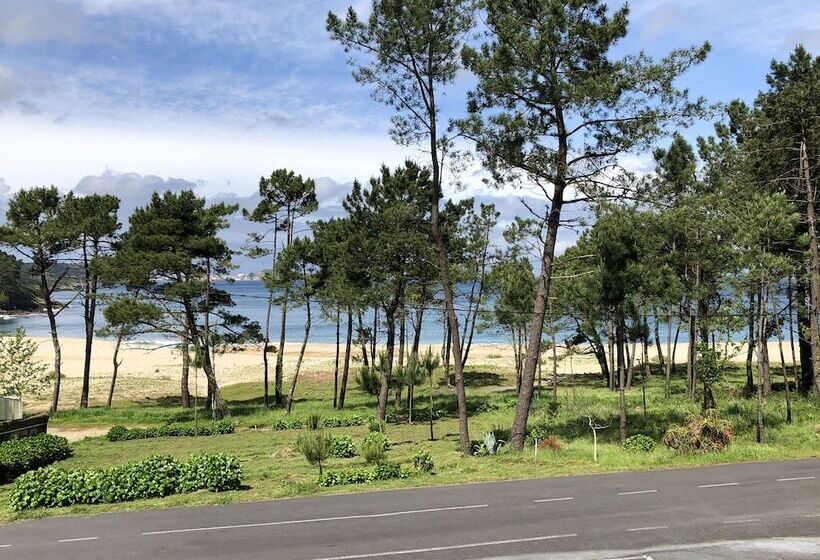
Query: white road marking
[[795, 478], [655, 528], [719, 485], [735, 521], [552, 500], [78, 539], [5, 546], [637, 492], [314, 520], [451, 547]]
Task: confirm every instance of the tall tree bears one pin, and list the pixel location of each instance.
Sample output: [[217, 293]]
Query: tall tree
[[15, 293], [92, 220], [555, 108], [285, 197], [409, 53], [172, 251], [35, 231]]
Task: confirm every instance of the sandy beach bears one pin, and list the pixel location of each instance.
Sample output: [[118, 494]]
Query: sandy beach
[[152, 371]]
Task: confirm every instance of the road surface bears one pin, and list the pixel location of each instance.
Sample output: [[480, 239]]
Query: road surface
[[711, 512]]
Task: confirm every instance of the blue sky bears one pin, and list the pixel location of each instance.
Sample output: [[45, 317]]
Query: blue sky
[[130, 96]]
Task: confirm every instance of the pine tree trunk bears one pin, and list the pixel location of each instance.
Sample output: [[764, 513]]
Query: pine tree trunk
[[301, 354], [115, 362], [45, 293], [363, 342], [184, 349], [336, 363], [750, 381], [621, 343], [346, 367], [778, 327]]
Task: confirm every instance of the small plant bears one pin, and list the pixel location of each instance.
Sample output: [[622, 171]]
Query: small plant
[[639, 443], [423, 461], [700, 434], [369, 380], [374, 447], [491, 442], [315, 446], [314, 421], [283, 424], [376, 425], [342, 447], [550, 442]]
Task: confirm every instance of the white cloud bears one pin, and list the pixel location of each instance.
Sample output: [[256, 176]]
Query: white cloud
[[40, 21]]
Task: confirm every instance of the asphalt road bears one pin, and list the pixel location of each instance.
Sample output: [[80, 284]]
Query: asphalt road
[[712, 512]]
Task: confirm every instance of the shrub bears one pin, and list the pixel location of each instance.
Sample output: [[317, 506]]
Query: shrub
[[342, 447], [18, 456], [700, 434], [153, 477], [639, 443], [121, 433], [373, 452], [210, 471], [378, 439], [314, 421], [368, 380], [342, 421], [382, 471], [550, 442], [492, 443], [391, 417], [423, 461], [285, 424], [315, 446], [376, 425]]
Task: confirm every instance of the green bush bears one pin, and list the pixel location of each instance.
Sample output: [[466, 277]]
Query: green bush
[[153, 477], [18, 456], [342, 447], [210, 471], [314, 421], [342, 421], [368, 380], [121, 433], [382, 471], [639, 443], [284, 424], [376, 425], [423, 461], [700, 434], [315, 446], [377, 438]]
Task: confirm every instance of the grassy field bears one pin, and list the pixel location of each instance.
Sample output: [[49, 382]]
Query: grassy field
[[273, 469]]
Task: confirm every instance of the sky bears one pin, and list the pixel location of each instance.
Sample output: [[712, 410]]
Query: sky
[[132, 96]]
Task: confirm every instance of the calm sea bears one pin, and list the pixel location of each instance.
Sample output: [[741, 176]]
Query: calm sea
[[251, 301]]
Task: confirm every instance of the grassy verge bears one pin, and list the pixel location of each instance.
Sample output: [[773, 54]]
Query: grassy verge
[[273, 469]]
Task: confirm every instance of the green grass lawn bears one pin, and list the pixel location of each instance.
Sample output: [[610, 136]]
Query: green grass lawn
[[273, 469]]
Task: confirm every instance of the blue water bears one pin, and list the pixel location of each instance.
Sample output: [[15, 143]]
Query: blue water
[[251, 301]]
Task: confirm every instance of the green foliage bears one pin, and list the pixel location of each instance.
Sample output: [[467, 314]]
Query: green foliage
[[285, 424], [376, 425], [368, 380], [423, 461], [121, 433], [342, 421], [700, 434], [342, 447], [491, 443], [210, 471], [382, 471], [154, 477], [18, 456], [315, 446], [374, 447], [639, 443], [21, 373], [314, 421], [15, 293]]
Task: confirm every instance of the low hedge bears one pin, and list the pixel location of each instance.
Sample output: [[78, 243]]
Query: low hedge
[[18, 456], [327, 422], [121, 433], [382, 471], [154, 477]]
